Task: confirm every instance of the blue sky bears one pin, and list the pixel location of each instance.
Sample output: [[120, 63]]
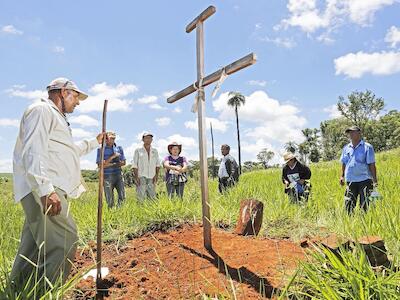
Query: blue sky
[[136, 53]]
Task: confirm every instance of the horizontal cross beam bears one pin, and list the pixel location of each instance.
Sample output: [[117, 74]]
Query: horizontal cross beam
[[209, 11], [244, 62]]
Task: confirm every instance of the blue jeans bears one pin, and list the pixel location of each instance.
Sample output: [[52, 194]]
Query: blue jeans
[[112, 181], [178, 189]]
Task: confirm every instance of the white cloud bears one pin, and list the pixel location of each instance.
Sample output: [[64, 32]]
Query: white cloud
[[218, 125], [59, 49], [10, 29], [116, 96], [18, 91], [333, 111], [9, 122], [279, 41], [261, 83], [189, 146], [88, 165], [168, 94], [313, 15], [79, 133], [156, 106], [177, 110], [362, 11], [276, 122], [393, 36], [355, 65], [147, 100], [162, 122], [84, 121], [6, 166]]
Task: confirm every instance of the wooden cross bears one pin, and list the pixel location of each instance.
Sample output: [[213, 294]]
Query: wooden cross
[[199, 85]]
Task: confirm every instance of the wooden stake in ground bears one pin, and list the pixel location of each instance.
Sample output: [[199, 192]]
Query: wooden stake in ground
[[212, 149], [199, 85], [99, 294]]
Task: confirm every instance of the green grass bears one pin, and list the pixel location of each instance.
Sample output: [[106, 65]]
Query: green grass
[[323, 213]]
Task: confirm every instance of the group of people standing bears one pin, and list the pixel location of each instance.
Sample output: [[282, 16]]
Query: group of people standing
[[46, 170], [146, 166]]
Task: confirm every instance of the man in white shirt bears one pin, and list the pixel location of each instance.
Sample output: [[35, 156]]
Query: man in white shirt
[[46, 170], [228, 172], [146, 166]]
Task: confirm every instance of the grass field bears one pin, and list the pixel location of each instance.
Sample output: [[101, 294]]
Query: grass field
[[351, 279]]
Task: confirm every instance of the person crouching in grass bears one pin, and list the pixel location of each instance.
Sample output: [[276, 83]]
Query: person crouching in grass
[[295, 177], [175, 170]]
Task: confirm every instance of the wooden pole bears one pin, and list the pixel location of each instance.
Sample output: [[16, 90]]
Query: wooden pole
[[212, 149], [202, 138], [244, 62], [99, 294]]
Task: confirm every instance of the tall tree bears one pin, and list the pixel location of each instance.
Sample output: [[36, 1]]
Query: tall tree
[[333, 137], [360, 107], [291, 146], [236, 100], [310, 148], [265, 156]]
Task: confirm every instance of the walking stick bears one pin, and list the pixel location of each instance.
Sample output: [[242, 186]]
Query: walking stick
[[99, 293]]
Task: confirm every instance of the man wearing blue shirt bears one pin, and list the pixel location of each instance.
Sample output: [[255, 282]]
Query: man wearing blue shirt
[[358, 170], [114, 159]]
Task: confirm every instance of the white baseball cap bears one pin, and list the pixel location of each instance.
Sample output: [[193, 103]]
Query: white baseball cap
[[61, 82]]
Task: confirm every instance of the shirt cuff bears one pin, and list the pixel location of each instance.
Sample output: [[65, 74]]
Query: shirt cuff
[[45, 189]]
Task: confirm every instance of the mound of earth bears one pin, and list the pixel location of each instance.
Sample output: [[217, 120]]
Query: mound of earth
[[175, 265]]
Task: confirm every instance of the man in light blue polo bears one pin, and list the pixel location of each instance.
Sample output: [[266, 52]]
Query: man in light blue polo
[[358, 170], [114, 159]]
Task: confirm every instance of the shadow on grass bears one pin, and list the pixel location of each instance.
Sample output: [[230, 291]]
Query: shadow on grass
[[241, 275]]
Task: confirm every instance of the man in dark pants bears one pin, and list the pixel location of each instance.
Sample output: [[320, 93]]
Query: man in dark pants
[[358, 170], [114, 159], [228, 173]]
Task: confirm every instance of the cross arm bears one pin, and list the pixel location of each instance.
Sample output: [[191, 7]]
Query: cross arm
[[244, 62], [209, 11]]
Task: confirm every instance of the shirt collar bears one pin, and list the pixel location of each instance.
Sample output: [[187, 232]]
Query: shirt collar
[[294, 166], [53, 105], [359, 144]]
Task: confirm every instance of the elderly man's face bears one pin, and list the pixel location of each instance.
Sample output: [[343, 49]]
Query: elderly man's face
[[224, 150], [354, 135], [147, 139], [70, 100]]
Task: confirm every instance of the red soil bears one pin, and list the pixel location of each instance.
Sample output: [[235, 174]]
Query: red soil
[[175, 265]]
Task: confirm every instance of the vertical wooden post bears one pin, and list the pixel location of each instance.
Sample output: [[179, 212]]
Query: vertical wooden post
[[212, 149], [99, 294], [202, 138]]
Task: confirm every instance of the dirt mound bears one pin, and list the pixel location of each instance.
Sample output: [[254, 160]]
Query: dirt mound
[[174, 265]]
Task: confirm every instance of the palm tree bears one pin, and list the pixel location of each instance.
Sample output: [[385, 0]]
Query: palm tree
[[291, 146], [235, 100]]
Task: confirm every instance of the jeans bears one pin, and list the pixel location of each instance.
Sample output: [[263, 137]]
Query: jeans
[[146, 189], [112, 181], [355, 189], [178, 189]]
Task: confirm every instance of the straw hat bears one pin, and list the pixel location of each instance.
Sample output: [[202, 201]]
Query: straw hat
[[174, 144], [288, 156]]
